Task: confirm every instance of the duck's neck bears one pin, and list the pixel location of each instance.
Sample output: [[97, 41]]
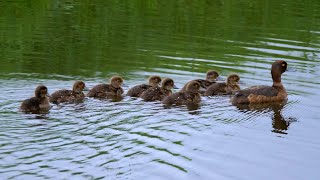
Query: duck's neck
[[276, 77], [277, 81]]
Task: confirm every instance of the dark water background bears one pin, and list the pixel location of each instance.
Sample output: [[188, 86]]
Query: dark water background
[[57, 42]]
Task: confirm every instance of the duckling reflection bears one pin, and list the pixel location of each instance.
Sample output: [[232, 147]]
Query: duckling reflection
[[158, 93], [280, 124], [224, 88], [112, 91], [211, 78], [74, 95], [39, 103], [137, 90]]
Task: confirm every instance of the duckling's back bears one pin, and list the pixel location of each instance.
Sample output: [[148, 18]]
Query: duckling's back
[[136, 91]]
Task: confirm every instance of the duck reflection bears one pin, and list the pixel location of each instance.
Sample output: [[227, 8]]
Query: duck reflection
[[280, 124]]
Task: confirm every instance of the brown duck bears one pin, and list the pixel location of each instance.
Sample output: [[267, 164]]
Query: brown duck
[[112, 90], [224, 88], [158, 93], [136, 91], [190, 96], [38, 103], [265, 94], [74, 95]]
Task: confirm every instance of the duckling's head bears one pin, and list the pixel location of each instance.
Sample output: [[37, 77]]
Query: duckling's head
[[154, 80], [167, 83], [41, 91], [116, 81], [278, 67], [233, 79], [78, 86], [193, 87], [212, 76]]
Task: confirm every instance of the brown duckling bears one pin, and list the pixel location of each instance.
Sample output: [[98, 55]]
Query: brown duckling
[[136, 91], [190, 96], [224, 88], [38, 103], [211, 78], [158, 93], [111, 90], [265, 94], [74, 95]]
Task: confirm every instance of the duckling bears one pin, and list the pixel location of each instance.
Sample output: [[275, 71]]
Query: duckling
[[38, 103], [211, 78], [190, 96], [74, 95], [136, 91], [265, 94], [223, 88], [112, 90], [158, 93]]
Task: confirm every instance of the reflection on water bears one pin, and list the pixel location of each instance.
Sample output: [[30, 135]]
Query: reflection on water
[[57, 42], [279, 123]]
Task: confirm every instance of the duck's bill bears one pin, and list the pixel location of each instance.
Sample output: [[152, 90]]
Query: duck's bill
[[175, 87]]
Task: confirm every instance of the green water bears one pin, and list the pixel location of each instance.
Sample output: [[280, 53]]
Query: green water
[[57, 42]]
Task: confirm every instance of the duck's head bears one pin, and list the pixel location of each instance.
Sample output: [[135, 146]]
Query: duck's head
[[41, 91], [78, 86], [212, 76], [116, 81], [278, 67], [154, 80], [167, 83], [233, 79], [193, 87]]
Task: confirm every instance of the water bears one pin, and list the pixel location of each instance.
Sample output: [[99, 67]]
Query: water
[[56, 43]]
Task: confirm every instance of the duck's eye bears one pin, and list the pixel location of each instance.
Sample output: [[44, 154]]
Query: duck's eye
[[283, 65]]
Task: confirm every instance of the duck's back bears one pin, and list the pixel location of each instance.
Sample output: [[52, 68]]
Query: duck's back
[[180, 98], [99, 90], [66, 96], [259, 94], [155, 94], [136, 91], [216, 89], [60, 96], [35, 105], [31, 104]]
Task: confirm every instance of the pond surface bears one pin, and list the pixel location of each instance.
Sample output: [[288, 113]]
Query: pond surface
[[57, 42]]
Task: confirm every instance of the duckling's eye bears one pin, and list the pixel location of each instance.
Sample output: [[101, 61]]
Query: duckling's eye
[[283, 65]]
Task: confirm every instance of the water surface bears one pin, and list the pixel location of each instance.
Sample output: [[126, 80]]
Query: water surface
[[56, 43]]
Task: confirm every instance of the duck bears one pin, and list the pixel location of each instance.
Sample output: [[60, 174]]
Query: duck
[[38, 103], [137, 90], [211, 78], [158, 93], [265, 94], [224, 88], [190, 96], [64, 95], [112, 90]]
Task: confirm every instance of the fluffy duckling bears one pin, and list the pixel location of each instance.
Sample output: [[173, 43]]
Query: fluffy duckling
[[190, 96], [136, 91], [38, 103], [74, 95], [158, 93], [211, 78], [265, 94], [111, 90], [223, 88]]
